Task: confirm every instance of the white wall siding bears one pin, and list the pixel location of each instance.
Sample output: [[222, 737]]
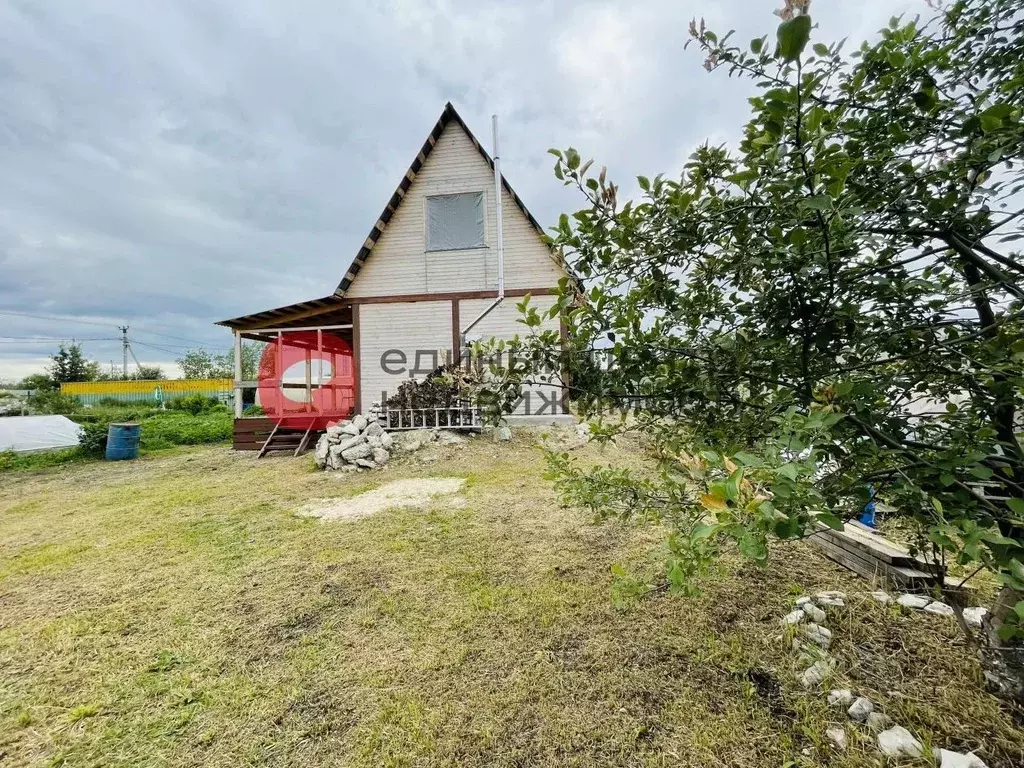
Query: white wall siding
[[409, 327], [399, 263], [503, 323]]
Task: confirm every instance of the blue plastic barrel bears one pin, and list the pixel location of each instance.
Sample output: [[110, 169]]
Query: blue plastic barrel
[[122, 442]]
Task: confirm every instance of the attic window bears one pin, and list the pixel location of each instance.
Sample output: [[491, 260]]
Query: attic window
[[455, 222]]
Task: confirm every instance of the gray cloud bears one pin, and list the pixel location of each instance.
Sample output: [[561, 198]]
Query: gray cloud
[[172, 164]]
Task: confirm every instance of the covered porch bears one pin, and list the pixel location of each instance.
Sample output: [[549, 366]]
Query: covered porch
[[307, 375]]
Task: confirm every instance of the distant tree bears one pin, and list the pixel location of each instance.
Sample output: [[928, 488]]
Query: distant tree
[[37, 381], [202, 364], [69, 364], [139, 373], [147, 373], [197, 364], [251, 352]]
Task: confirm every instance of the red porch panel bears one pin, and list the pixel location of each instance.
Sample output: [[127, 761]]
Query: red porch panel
[[307, 379]]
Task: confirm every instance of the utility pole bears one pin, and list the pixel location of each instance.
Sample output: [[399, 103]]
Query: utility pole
[[124, 350]]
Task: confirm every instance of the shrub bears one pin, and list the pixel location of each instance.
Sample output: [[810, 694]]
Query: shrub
[[52, 401], [94, 438], [176, 428], [123, 413], [9, 460], [195, 404], [254, 410], [112, 402]]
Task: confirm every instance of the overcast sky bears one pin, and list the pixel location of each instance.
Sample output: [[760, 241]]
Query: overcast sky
[[169, 164]]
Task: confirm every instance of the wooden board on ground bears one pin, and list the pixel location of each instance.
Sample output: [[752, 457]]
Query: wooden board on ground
[[856, 536], [899, 576], [871, 555]]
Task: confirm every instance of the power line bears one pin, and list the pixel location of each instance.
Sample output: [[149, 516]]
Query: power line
[[59, 319], [165, 344], [154, 346], [102, 325], [169, 336], [22, 339]]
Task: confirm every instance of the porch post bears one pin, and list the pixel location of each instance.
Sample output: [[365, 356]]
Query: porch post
[[238, 375], [279, 369], [334, 390], [320, 359], [309, 380]]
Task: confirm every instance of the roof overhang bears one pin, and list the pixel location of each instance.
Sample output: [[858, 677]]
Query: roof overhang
[[292, 314]]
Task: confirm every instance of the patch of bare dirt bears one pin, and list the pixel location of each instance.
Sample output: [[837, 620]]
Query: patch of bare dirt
[[415, 493]]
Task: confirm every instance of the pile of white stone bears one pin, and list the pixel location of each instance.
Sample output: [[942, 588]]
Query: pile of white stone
[[353, 444], [812, 639]]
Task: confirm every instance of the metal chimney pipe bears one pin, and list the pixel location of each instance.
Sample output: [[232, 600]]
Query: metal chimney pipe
[[498, 232], [497, 205]]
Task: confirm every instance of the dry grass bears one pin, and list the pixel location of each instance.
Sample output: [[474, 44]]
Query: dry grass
[[175, 611]]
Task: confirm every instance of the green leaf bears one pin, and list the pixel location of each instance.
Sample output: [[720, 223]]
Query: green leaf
[[732, 485], [703, 531], [981, 472], [1017, 505], [993, 536], [821, 49], [644, 182], [743, 178], [998, 111], [925, 99], [1011, 581], [796, 236], [1007, 632], [990, 123], [817, 203], [757, 45], [830, 520], [749, 460], [793, 36], [788, 470], [753, 546], [788, 528]]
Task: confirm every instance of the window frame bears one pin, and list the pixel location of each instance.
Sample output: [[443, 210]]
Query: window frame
[[426, 220]]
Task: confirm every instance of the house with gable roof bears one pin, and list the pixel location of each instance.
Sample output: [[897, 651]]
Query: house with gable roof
[[428, 271]]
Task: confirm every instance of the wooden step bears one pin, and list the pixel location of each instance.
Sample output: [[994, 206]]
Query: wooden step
[[250, 434]]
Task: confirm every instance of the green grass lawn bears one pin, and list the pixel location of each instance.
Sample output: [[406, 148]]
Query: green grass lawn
[[175, 611], [159, 431]]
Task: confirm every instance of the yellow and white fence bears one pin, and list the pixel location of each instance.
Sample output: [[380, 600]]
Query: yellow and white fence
[[91, 392]]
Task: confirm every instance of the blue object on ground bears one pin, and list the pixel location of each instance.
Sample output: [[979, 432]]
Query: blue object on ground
[[867, 515], [122, 442]]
